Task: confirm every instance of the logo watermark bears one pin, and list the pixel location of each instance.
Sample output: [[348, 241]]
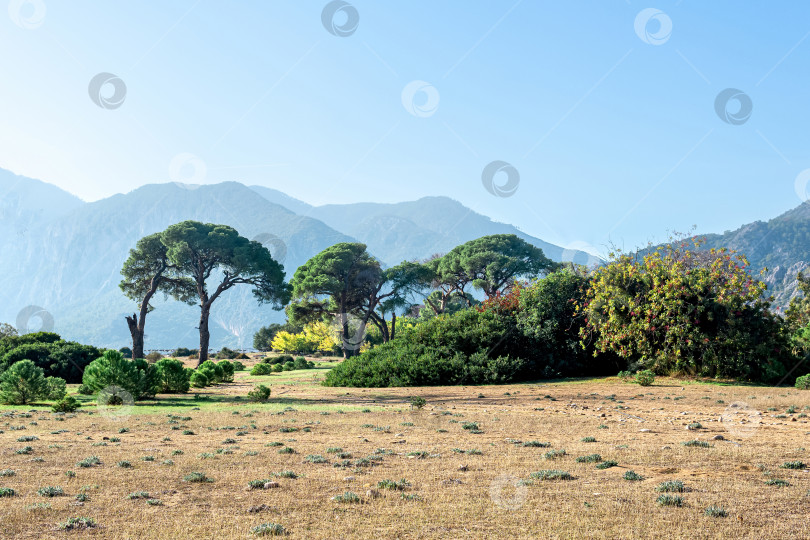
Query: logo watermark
[[653, 26], [508, 492], [34, 312], [340, 18], [740, 419], [743, 112], [504, 189], [99, 90], [420, 99], [114, 402], [27, 14], [274, 244], [187, 170]]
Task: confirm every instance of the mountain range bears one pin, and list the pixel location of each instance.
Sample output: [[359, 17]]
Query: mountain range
[[63, 256]]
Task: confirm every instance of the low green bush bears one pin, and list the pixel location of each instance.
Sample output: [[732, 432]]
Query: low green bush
[[259, 393], [262, 369], [137, 377], [803, 382], [172, 376]]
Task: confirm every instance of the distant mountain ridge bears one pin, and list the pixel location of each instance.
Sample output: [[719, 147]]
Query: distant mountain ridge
[[782, 245], [65, 255]]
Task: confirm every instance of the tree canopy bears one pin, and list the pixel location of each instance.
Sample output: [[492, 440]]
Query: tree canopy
[[199, 250]]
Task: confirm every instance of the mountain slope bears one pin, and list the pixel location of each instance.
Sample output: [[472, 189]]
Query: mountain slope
[[418, 229], [782, 245], [71, 265]]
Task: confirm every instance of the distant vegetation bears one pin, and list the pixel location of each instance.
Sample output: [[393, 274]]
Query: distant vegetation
[[675, 310]]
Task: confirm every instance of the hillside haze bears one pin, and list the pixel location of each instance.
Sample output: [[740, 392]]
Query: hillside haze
[[64, 255]]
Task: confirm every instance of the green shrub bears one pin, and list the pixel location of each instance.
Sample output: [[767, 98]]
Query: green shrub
[[153, 357], [289, 366], [172, 376], [126, 351], [6, 492], [671, 486], [226, 354], [84, 390], [56, 357], [65, 405], [280, 359], [803, 382], [277, 368], [268, 529], [645, 377], [198, 380], [22, 383], [633, 476], [670, 500], [238, 366], [228, 370], [259, 393], [213, 371], [551, 475], [183, 351], [51, 491], [715, 511], [137, 377], [57, 388], [302, 363], [261, 369]]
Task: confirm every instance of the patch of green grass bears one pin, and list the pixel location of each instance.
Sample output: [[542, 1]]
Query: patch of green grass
[[793, 465], [554, 454], [589, 439], [551, 475], [268, 529], [697, 443], [607, 464], [715, 511], [197, 477], [633, 476], [50, 491], [671, 486], [778, 482], [670, 500], [591, 458], [535, 444], [347, 497], [394, 485]]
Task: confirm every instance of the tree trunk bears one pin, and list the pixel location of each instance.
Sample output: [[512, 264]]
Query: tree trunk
[[205, 336], [393, 325], [344, 323], [136, 330]]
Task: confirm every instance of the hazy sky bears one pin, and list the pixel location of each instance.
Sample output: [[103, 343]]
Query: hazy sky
[[607, 111]]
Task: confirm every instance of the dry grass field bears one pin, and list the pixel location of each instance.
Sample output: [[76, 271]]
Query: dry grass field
[[467, 458]]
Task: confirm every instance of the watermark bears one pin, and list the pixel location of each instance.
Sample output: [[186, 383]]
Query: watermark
[[500, 189], [99, 90], [420, 99], [653, 26], [743, 112], [274, 244], [34, 312], [340, 18], [740, 419], [581, 253], [187, 170], [800, 185], [114, 402], [508, 492], [355, 335], [27, 14]]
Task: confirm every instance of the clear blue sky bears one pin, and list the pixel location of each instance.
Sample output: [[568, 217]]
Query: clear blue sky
[[615, 138]]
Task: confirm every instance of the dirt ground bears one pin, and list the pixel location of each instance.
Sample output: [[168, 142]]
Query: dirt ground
[[464, 458]]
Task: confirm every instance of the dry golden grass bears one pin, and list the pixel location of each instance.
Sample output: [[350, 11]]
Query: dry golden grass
[[482, 501]]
